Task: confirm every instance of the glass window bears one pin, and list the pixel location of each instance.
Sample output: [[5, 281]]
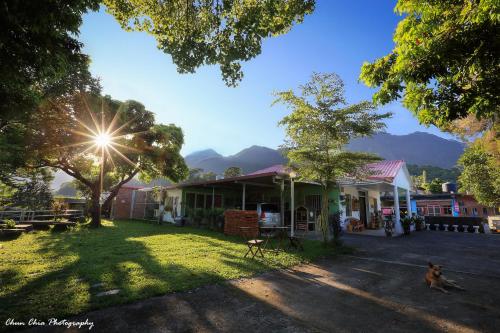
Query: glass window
[[464, 211], [474, 211], [250, 206], [485, 211], [200, 200], [434, 210], [208, 201], [348, 203], [190, 199], [218, 201], [447, 210], [269, 208]]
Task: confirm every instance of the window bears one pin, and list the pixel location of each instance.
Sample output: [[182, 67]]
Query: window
[[250, 206], [433, 210], [269, 208], [200, 200], [474, 211], [218, 201], [348, 210], [420, 211], [190, 200], [464, 211], [485, 211], [447, 210], [208, 201], [313, 202]]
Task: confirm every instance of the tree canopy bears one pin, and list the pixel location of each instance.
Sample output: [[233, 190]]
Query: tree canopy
[[233, 172], [318, 128], [67, 135], [210, 32], [445, 63], [480, 175]]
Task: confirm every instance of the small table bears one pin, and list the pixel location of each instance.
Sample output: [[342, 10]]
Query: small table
[[281, 233]]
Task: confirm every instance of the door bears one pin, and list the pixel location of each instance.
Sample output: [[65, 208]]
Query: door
[[362, 210]]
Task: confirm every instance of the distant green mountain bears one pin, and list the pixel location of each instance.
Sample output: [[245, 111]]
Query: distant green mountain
[[448, 175], [418, 148]]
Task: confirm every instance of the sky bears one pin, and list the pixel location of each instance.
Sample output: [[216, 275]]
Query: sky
[[338, 37]]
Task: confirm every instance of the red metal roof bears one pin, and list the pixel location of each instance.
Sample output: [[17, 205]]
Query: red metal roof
[[277, 169], [384, 170]]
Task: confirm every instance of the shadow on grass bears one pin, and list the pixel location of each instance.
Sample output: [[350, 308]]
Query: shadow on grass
[[62, 273]]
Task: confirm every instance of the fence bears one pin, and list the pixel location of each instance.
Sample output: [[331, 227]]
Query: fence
[[455, 223], [39, 215]]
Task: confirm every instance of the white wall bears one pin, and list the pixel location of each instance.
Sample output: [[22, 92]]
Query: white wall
[[402, 179]]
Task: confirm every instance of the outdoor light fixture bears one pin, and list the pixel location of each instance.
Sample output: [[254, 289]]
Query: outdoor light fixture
[[292, 174]]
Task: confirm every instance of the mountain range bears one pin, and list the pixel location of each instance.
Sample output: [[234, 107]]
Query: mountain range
[[417, 148]]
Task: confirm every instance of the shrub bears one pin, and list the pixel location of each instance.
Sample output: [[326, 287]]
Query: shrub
[[419, 222], [59, 208], [406, 222], [10, 223], [82, 220]]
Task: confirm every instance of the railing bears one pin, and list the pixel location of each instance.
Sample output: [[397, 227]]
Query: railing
[[39, 215], [472, 224]]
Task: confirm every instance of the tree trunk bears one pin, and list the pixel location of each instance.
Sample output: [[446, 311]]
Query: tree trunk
[[95, 208], [324, 214]]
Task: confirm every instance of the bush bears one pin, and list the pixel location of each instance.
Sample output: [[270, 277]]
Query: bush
[[419, 222], [82, 220], [406, 222], [9, 223]]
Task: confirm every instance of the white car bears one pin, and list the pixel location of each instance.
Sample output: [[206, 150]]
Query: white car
[[494, 223], [269, 214]]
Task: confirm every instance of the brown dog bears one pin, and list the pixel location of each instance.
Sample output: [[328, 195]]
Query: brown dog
[[435, 279]]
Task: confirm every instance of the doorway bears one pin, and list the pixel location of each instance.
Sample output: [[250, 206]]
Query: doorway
[[362, 208]]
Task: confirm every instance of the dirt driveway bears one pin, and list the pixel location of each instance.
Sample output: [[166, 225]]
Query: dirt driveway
[[380, 288]]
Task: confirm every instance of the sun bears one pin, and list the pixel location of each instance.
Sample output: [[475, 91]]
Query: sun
[[102, 140]]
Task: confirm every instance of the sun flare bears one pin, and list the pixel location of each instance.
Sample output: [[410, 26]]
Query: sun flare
[[103, 140]]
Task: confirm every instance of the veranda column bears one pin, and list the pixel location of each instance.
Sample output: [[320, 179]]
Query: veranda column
[[398, 227]]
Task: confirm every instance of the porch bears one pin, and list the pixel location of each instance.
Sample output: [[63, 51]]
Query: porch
[[297, 204], [363, 212]]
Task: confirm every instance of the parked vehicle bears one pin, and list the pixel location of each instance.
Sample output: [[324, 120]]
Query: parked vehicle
[[269, 214], [494, 223]]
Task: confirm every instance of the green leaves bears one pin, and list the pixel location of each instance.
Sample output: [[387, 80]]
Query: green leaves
[[209, 32], [321, 124], [481, 175], [445, 63]]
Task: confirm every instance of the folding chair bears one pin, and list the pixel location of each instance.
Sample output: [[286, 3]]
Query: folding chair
[[252, 242]]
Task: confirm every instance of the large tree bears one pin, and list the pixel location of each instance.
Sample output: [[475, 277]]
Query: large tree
[[232, 172], [319, 127], [211, 32], [104, 143], [41, 57], [481, 175], [445, 64]]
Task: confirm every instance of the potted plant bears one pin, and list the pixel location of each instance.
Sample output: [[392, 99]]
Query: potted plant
[[419, 223], [406, 222]]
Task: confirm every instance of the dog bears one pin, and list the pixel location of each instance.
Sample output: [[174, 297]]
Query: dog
[[436, 280]]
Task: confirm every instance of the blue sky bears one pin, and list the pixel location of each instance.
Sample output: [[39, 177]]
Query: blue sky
[[338, 37]]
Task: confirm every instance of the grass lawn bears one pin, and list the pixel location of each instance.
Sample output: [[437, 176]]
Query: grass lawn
[[56, 274]]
